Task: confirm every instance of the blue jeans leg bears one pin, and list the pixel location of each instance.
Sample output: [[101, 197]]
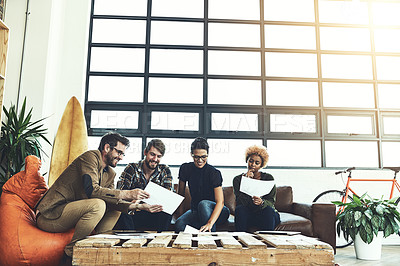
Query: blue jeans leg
[[205, 209], [188, 218], [269, 219], [242, 216]]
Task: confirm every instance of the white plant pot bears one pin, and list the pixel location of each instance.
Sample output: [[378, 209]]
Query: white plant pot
[[370, 251]]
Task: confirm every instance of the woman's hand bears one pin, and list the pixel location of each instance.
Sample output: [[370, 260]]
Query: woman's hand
[[206, 228], [257, 200], [250, 173]]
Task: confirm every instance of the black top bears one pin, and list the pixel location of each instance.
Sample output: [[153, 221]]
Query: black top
[[246, 200], [202, 182]]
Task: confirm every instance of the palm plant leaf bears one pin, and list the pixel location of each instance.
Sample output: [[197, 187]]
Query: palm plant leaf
[[20, 137]]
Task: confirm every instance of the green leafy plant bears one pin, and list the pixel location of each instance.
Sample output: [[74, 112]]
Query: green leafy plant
[[19, 138], [367, 216]]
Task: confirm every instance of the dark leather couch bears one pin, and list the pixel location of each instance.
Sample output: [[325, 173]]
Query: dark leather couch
[[315, 220]]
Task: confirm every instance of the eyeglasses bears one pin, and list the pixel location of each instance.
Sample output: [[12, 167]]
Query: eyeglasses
[[120, 153], [197, 158]]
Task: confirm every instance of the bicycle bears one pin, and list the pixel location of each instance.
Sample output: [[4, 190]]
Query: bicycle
[[343, 195]]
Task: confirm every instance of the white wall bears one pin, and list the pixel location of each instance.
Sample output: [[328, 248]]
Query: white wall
[[54, 60], [54, 69]]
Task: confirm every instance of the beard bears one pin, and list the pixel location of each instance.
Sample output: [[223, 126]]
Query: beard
[[111, 161], [149, 166]]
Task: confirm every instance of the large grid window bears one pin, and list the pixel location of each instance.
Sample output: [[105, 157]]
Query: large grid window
[[315, 81]]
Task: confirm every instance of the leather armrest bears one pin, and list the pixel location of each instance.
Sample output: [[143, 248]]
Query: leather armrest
[[184, 206], [303, 210], [324, 222]]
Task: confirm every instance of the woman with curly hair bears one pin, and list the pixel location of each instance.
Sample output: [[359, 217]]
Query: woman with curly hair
[[252, 210]]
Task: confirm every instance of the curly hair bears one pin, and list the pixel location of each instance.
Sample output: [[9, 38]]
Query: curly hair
[[260, 151]]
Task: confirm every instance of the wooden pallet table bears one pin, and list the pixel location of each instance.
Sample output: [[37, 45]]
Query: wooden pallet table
[[210, 249]]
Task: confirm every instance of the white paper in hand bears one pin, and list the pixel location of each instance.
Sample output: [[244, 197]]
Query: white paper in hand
[[254, 187], [159, 195]]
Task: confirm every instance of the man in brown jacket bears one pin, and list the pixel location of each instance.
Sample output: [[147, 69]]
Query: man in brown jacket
[[83, 197]]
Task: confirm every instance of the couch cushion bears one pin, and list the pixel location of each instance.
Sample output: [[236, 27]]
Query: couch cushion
[[291, 222], [284, 199], [229, 199]]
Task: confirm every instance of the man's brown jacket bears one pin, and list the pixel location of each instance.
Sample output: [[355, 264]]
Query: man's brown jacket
[[84, 178]]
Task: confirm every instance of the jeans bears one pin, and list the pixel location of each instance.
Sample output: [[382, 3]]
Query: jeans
[[198, 218], [83, 215], [159, 221], [266, 219]]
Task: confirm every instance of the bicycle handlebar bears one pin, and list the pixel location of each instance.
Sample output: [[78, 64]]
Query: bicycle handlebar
[[348, 170], [395, 169]]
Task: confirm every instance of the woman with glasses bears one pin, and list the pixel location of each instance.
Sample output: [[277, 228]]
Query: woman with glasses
[[205, 186], [252, 210]]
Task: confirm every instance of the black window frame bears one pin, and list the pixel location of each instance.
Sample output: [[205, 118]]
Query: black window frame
[[145, 108]]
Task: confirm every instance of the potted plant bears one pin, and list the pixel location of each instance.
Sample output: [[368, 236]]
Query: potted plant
[[366, 221], [19, 138]]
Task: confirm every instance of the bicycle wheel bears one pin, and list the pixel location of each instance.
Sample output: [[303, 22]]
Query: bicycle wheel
[[335, 195]]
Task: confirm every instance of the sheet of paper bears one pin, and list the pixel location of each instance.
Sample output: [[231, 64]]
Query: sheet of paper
[[289, 233], [159, 195], [191, 230], [254, 187]]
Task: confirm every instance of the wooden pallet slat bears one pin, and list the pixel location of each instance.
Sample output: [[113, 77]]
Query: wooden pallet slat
[[135, 243], [98, 242], [183, 240], [310, 241], [252, 242], [160, 241], [228, 241], [278, 241], [206, 242]]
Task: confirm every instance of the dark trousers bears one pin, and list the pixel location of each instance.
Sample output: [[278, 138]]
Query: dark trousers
[[143, 220], [265, 219]]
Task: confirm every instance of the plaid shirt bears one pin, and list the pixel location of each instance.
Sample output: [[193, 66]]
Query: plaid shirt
[[133, 177]]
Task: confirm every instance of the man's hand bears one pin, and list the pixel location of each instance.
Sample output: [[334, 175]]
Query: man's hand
[[135, 194], [139, 194], [134, 206], [150, 208]]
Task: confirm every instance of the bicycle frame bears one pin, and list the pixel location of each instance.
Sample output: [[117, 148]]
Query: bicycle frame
[[395, 184]]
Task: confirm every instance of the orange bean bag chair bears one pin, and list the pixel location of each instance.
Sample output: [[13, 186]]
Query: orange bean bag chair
[[22, 242]]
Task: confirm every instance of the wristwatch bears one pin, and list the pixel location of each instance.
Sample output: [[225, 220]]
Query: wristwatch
[[132, 212]]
